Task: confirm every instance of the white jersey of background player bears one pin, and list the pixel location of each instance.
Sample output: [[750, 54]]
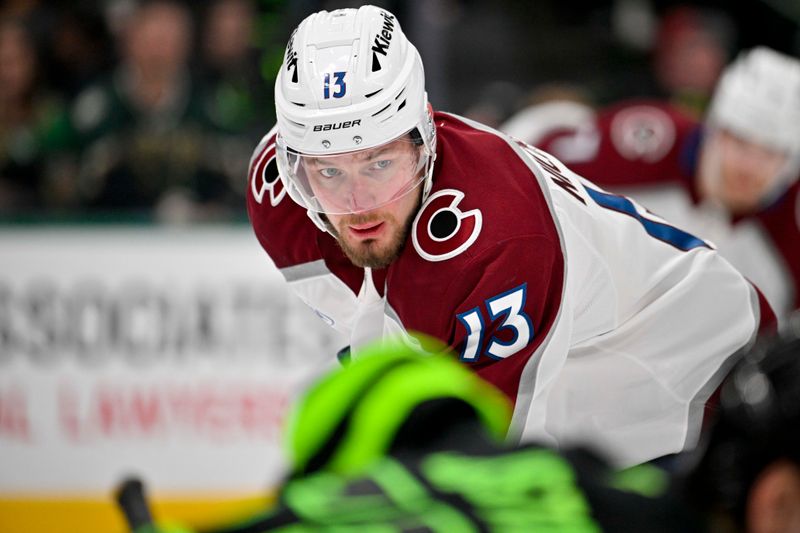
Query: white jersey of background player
[[732, 179], [597, 320]]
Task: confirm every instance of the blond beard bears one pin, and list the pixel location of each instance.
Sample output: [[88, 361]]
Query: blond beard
[[367, 253]]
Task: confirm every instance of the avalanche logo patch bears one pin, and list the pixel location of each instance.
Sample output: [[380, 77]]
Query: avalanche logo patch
[[643, 132], [264, 177], [441, 230]]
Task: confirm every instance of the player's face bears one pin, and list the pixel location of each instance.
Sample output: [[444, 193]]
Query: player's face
[[369, 198], [747, 171], [362, 181], [375, 238]]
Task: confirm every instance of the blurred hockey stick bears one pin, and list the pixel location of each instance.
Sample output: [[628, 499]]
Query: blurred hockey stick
[[132, 500]]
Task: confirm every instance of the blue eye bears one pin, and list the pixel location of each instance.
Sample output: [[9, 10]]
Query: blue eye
[[330, 172], [383, 164]]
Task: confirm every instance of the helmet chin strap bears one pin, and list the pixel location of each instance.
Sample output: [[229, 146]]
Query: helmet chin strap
[[427, 183], [317, 219]]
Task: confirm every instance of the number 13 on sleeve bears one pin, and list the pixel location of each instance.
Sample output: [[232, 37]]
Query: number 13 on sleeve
[[510, 305]]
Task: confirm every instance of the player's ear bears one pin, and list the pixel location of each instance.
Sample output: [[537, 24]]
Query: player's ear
[[773, 504]]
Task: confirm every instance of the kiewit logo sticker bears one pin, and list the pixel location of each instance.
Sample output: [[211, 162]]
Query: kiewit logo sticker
[[380, 46], [291, 57]]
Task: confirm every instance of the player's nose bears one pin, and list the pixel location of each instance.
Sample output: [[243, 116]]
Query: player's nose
[[360, 195]]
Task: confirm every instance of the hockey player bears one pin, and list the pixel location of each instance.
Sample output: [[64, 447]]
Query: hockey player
[[596, 319], [732, 179]]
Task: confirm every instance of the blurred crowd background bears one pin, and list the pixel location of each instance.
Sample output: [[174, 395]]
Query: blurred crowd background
[[149, 110]]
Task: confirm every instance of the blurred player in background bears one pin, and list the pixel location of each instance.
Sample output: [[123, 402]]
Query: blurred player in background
[[732, 179], [745, 476], [597, 320]]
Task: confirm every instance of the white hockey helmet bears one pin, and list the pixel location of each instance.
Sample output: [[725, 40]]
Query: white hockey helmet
[[350, 81], [758, 99]]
